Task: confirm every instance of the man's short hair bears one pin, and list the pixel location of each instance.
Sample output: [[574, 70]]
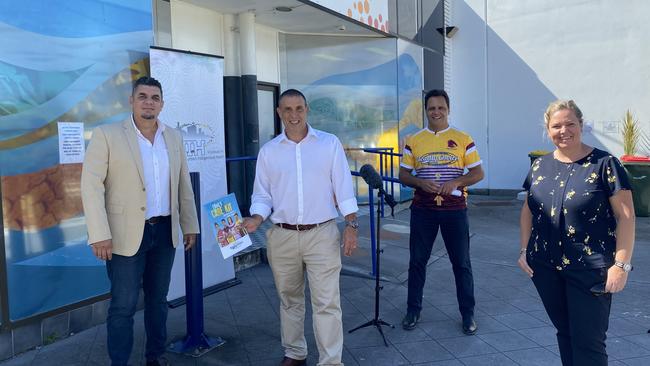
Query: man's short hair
[[436, 93], [292, 93], [149, 81]]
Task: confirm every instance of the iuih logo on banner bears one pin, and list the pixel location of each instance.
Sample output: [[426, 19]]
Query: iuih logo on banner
[[438, 158], [199, 139]]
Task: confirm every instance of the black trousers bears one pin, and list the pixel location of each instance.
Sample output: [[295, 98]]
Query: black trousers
[[454, 227], [580, 317]]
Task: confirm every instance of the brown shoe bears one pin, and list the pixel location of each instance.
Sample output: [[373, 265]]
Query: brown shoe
[[288, 361]]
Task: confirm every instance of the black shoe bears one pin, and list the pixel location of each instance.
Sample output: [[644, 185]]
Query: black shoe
[[469, 325], [410, 321]]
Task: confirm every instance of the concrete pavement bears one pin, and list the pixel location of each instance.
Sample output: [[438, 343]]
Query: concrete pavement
[[513, 326]]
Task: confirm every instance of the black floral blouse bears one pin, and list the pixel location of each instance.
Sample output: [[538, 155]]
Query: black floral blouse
[[573, 223]]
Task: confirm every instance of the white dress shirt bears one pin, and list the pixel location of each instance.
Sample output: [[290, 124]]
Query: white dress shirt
[[155, 163], [303, 183]]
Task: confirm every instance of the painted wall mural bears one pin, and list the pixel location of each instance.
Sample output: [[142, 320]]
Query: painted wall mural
[[70, 61], [371, 12], [366, 91]]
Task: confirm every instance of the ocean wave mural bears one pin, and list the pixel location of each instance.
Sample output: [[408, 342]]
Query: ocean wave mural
[[368, 92], [70, 61]]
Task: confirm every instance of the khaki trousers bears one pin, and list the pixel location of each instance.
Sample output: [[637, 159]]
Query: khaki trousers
[[316, 251]]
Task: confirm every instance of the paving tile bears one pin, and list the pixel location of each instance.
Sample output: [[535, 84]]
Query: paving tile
[[398, 335], [615, 363], [507, 292], [507, 341], [419, 352], [528, 304], [453, 362], [363, 338], [25, 359], [519, 321], [641, 361], [497, 307], [497, 359], [543, 336], [466, 346], [541, 315], [442, 328], [621, 349], [217, 357], [642, 340], [378, 356], [534, 357], [69, 351], [620, 327], [348, 359], [453, 312], [487, 324]]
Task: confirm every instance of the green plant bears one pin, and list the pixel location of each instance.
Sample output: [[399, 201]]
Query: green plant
[[51, 338], [631, 131]]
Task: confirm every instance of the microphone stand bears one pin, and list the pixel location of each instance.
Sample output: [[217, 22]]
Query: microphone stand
[[376, 321]]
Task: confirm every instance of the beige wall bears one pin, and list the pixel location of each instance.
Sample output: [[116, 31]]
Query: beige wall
[[198, 29]]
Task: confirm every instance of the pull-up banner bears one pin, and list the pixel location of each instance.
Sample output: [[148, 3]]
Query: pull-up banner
[[193, 95]]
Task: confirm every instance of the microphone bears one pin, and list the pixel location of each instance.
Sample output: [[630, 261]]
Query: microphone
[[369, 174]]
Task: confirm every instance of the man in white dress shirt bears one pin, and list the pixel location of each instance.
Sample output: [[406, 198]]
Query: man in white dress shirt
[[136, 193], [302, 177]]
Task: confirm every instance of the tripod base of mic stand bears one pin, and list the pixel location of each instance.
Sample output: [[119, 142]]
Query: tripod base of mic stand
[[377, 323]]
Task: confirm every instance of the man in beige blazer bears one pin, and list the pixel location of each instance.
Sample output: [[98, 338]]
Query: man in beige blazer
[[136, 192]]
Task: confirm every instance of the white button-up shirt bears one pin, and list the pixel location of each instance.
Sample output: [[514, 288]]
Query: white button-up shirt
[[155, 163], [302, 183]]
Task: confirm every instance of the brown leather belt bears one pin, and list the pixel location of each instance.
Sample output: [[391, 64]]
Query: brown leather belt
[[304, 227], [156, 220]]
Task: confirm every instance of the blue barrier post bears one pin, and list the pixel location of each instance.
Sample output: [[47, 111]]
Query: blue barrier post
[[195, 343]]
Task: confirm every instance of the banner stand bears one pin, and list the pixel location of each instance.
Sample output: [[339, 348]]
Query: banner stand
[[196, 343]]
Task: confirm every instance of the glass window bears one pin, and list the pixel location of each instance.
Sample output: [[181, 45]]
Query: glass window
[[48, 262]]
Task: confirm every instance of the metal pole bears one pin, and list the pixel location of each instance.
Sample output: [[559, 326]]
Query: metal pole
[[195, 343]]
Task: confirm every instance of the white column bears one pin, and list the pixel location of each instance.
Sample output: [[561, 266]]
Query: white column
[[231, 45], [248, 60]]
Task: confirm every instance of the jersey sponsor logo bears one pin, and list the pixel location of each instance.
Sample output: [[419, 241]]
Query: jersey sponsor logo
[[438, 158]]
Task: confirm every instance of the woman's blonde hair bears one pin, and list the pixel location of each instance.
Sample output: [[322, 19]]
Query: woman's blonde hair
[[559, 105]]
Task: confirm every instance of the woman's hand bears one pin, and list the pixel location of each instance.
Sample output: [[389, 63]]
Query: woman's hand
[[616, 279], [523, 263]]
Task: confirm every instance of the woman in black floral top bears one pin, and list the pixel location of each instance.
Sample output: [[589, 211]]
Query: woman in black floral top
[[577, 235]]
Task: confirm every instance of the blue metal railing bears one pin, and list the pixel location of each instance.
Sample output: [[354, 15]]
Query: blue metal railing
[[386, 158], [241, 158]]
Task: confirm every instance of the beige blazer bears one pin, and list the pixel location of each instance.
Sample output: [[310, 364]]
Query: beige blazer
[[113, 193]]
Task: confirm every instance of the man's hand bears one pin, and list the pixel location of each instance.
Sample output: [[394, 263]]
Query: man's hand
[[349, 240], [616, 279], [252, 223], [428, 186], [103, 250], [189, 240], [447, 187]]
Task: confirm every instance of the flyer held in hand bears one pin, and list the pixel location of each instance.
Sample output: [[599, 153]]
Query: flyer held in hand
[[227, 225]]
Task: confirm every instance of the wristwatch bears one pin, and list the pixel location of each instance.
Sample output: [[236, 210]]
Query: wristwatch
[[627, 267], [352, 223]]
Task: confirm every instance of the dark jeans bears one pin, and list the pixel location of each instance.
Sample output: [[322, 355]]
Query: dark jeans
[[454, 227], [581, 319], [150, 268]]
